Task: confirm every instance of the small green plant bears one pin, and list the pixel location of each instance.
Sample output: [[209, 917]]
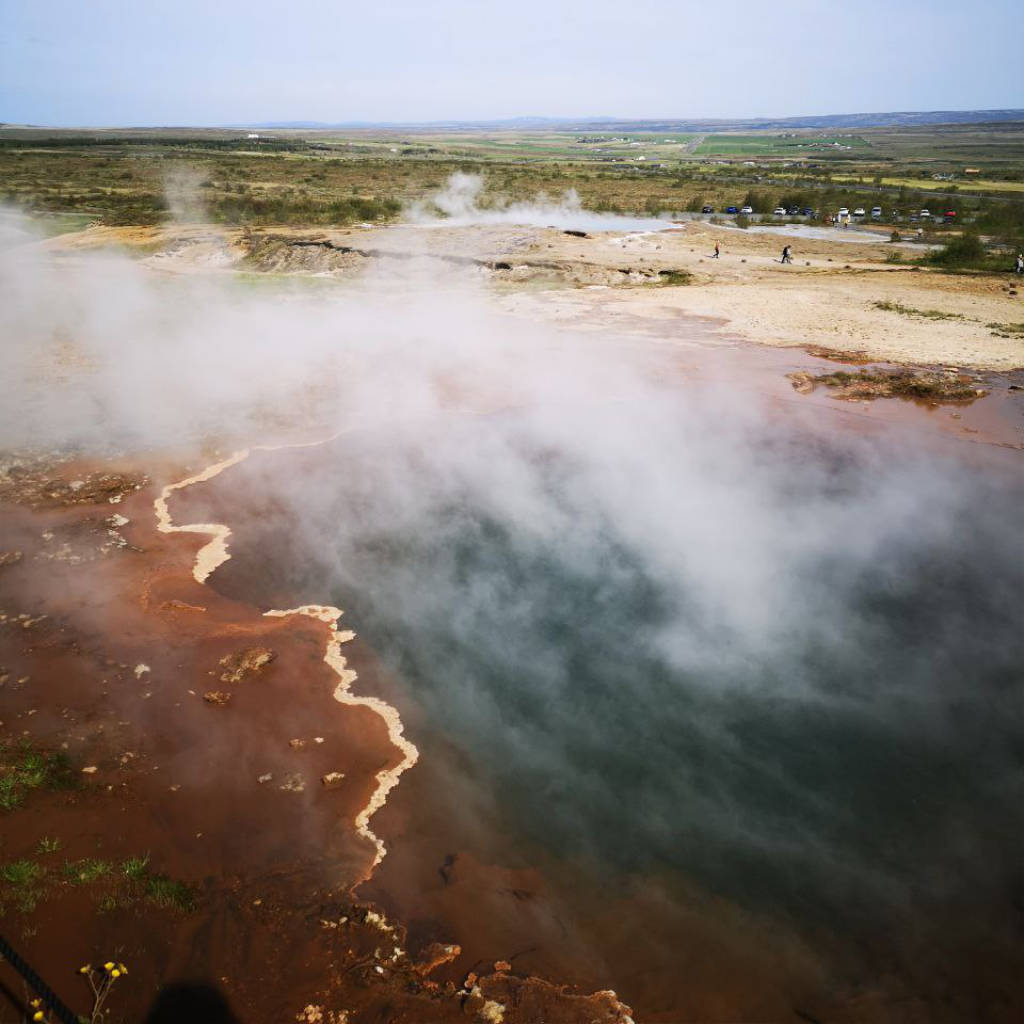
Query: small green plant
[[1006, 330], [674, 277], [893, 256], [924, 314], [135, 867], [83, 872], [967, 250], [111, 901], [166, 892], [23, 768], [48, 845], [20, 873], [23, 878]]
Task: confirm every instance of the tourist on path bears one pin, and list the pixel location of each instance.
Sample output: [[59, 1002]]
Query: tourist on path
[[718, 250], [786, 258]]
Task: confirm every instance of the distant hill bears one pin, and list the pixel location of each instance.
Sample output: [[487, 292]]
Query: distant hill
[[875, 120]]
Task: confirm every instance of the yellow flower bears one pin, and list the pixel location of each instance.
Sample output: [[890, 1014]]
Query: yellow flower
[[85, 969], [115, 973], [34, 1002], [109, 965], [122, 968], [38, 1015]]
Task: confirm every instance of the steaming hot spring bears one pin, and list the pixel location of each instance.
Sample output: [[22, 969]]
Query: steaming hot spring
[[600, 656]]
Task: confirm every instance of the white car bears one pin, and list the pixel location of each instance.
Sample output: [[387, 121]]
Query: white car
[[876, 213], [843, 212], [859, 212], [747, 209], [924, 214], [780, 211]]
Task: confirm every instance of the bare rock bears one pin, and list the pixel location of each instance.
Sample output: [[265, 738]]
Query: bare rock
[[803, 382], [245, 662]]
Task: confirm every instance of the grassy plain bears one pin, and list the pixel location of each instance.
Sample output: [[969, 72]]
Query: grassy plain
[[332, 177]]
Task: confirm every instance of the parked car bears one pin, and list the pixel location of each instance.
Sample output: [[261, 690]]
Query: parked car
[[843, 212], [807, 211], [747, 209], [859, 212], [732, 209], [949, 216], [924, 215], [707, 209], [780, 211], [876, 213], [793, 211]]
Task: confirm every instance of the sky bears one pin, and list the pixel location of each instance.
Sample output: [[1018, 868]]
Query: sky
[[197, 62]]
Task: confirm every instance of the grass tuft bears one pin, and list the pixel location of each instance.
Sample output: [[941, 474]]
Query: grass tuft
[[21, 873], [23, 769], [135, 867], [168, 893], [925, 314], [671, 278], [83, 872]]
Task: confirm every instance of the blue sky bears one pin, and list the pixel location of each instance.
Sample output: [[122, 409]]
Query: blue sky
[[110, 62]]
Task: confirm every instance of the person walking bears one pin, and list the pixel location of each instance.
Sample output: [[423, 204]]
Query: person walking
[[1020, 263], [786, 258], [718, 250]]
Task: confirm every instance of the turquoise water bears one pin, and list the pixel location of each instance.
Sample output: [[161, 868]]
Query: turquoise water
[[871, 764], [786, 669]]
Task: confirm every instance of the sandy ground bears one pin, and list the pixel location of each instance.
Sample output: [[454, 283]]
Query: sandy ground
[[829, 296]]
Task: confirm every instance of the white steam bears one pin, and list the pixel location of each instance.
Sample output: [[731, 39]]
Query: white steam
[[712, 635], [459, 206]]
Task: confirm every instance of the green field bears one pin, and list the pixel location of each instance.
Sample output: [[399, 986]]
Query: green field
[[334, 177], [804, 145]]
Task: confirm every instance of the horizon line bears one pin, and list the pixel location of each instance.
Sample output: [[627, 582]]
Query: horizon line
[[299, 123]]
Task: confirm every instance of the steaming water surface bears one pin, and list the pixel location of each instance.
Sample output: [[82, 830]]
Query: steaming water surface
[[643, 640], [782, 669]]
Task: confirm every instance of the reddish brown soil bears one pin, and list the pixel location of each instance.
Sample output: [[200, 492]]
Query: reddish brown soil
[[176, 778]]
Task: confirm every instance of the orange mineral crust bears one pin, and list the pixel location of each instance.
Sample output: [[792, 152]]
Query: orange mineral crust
[[209, 774]]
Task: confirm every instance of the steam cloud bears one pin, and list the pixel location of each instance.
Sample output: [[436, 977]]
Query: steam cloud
[[670, 632], [460, 204]]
